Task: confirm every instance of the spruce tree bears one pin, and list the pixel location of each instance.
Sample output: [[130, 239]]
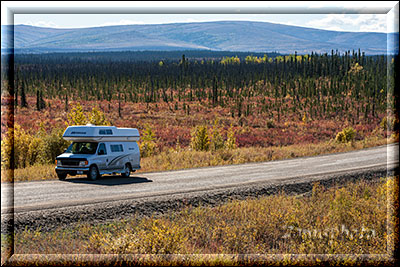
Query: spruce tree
[[24, 103]]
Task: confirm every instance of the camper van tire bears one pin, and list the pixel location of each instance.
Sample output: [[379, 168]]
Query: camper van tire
[[93, 173], [127, 170], [61, 176]]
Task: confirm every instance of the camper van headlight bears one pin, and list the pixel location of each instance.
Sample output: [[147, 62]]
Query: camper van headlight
[[83, 163], [58, 162]]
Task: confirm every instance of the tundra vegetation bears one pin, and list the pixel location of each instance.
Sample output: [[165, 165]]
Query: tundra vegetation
[[191, 112], [351, 220]]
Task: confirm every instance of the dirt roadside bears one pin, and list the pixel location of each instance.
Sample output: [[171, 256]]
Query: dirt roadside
[[50, 219]]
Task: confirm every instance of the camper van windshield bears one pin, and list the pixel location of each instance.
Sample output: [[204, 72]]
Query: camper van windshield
[[82, 148]]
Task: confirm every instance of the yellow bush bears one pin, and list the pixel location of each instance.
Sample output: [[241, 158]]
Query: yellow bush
[[346, 135], [35, 151], [76, 116], [96, 117], [21, 144], [230, 142], [6, 149], [147, 145], [217, 141], [200, 140]]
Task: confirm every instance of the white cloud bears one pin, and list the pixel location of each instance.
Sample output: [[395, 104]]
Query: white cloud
[[50, 24], [41, 23], [342, 22], [192, 20], [121, 22]]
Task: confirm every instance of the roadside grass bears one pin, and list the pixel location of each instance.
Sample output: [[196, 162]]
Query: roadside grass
[[183, 158], [174, 159], [357, 218]]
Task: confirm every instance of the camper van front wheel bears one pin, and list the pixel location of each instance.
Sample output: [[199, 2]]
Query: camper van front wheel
[[127, 170], [61, 176], [93, 173]]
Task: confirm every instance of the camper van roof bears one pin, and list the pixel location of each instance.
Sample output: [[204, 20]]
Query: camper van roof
[[100, 133]]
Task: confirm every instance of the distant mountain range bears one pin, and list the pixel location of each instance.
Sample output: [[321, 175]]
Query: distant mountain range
[[244, 36]]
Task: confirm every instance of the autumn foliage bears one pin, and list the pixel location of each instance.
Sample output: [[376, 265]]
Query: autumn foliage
[[205, 105], [357, 218]]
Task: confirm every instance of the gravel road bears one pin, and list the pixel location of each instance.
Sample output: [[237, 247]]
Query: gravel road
[[48, 204]]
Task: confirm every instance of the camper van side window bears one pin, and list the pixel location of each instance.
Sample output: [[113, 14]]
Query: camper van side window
[[116, 148], [105, 132]]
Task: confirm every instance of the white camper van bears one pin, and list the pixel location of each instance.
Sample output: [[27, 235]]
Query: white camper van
[[98, 150]]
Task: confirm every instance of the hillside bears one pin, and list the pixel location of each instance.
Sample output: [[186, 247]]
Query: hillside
[[218, 36]]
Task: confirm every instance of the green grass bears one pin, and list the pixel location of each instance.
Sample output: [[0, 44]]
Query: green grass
[[356, 219]]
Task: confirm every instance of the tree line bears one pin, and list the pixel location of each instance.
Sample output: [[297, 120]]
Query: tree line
[[349, 85]]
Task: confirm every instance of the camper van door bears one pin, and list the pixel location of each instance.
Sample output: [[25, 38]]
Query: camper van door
[[102, 156], [117, 155]]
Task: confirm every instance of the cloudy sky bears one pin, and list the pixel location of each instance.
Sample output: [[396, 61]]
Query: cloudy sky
[[341, 16]]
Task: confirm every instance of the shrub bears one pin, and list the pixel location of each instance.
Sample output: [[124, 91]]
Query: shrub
[[304, 119], [230, 142], [147, 145], [383, 123], [35, 151], [53, 145], [346, 135], [96, 117], [270, 123], [200, 140], [6, 149], [389, 124], [30, 150], [76, 116], [217, 141], [21, 148]]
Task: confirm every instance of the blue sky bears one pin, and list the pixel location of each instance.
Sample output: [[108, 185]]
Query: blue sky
[[371, 15]]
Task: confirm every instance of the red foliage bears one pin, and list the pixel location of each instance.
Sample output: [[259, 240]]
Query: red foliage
[[169, 124]]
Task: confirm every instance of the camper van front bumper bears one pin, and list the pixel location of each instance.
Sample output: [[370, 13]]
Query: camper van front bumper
[[72, 171]]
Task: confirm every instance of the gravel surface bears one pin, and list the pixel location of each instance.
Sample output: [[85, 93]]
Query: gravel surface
[[152, 206]]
